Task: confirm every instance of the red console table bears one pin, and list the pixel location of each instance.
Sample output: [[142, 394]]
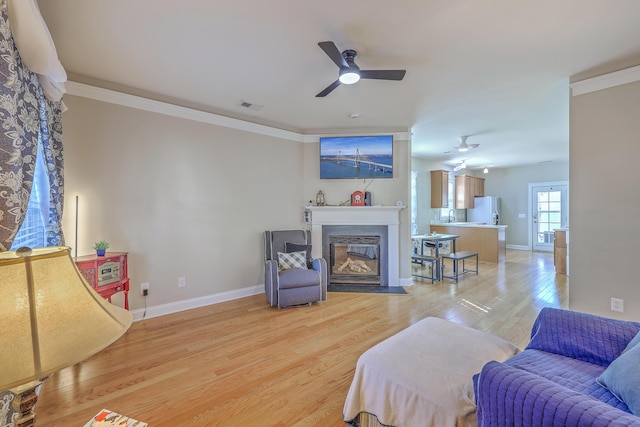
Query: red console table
[[107, 274]]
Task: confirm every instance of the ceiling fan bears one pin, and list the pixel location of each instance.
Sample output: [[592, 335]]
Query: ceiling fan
[[461, 165], [464, 146], [349, 72]]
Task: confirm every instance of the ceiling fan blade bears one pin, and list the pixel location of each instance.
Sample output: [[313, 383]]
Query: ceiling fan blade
[[383, 74], [332, 52], [328, 89]]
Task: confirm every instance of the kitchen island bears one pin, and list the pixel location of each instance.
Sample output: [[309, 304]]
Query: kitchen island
[[490, 241]]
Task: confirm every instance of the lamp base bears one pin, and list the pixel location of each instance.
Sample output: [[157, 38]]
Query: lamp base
[[24, 402]]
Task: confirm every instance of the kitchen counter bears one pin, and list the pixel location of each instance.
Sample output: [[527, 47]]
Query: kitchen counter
[[468, 224], [490, 241]]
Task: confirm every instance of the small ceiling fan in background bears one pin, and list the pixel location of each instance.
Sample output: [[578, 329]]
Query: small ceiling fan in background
[[349, 72], [461, 165]]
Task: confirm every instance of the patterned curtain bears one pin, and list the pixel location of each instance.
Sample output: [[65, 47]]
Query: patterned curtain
[[26, 113], [51, 137]]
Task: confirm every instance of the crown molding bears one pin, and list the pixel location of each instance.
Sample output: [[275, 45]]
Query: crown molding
[[605, 81], [114, 97], [138, 102], [400, 136]]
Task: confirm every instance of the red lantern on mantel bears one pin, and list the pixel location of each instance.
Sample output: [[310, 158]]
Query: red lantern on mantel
[[357, 198]]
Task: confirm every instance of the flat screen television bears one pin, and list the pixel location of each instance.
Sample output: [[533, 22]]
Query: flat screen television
[[343, 157]]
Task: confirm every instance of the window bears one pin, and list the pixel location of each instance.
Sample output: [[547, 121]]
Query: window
[[32, 233], [414, 203]]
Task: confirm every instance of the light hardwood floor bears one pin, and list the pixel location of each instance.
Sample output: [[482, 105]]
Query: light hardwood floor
[[243, 363]]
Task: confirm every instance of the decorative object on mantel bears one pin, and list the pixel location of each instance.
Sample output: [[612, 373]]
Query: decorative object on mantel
[[54, 320], [101, 247], [357, 198], [320, 200]]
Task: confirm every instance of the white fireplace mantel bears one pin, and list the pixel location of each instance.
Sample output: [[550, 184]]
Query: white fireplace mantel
[[361, 215]]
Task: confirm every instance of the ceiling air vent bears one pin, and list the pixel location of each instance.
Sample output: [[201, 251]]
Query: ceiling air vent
[[250, 105]]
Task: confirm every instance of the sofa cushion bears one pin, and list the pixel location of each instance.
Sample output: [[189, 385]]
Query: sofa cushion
[[573, 374], [508, 396], [288, 261], [622, 377]]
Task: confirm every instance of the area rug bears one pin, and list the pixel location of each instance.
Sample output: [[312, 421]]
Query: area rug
[[367, 289]]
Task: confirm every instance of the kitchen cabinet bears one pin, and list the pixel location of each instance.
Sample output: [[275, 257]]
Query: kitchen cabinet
[[479, 187], [464, 192], [439, 189], [467, 187]]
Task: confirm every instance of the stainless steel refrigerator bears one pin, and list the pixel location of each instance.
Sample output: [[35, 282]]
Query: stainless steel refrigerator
[[487, 210]]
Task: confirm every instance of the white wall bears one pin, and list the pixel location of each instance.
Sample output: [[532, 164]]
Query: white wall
[[604, 230], [183, 198]]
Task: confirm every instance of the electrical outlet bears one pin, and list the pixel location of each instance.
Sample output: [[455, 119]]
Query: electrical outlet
[[182, 282], [617, 304], [144, 289]]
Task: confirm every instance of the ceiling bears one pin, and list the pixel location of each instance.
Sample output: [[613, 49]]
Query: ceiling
[[496, 70]]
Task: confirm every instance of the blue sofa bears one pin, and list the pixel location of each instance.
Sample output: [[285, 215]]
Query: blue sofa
[[553, 381]]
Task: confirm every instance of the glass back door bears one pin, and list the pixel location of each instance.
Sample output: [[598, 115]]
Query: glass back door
[[549, 212]]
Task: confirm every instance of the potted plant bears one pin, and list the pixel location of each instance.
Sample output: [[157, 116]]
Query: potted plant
[[101, 247]]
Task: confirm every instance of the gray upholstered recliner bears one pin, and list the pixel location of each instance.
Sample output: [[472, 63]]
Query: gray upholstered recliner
[[292, 286]]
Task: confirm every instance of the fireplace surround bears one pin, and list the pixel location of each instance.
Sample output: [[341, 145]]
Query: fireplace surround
[[380, 221]]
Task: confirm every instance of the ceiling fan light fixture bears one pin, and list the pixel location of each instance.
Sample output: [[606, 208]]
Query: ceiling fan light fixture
[[349, 76], [464, 147], [486, 170], [463, 165]]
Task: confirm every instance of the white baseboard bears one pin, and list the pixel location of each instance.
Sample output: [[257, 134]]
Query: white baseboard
[[177, 306], [404, 281], [188, 304], [519, 247]]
